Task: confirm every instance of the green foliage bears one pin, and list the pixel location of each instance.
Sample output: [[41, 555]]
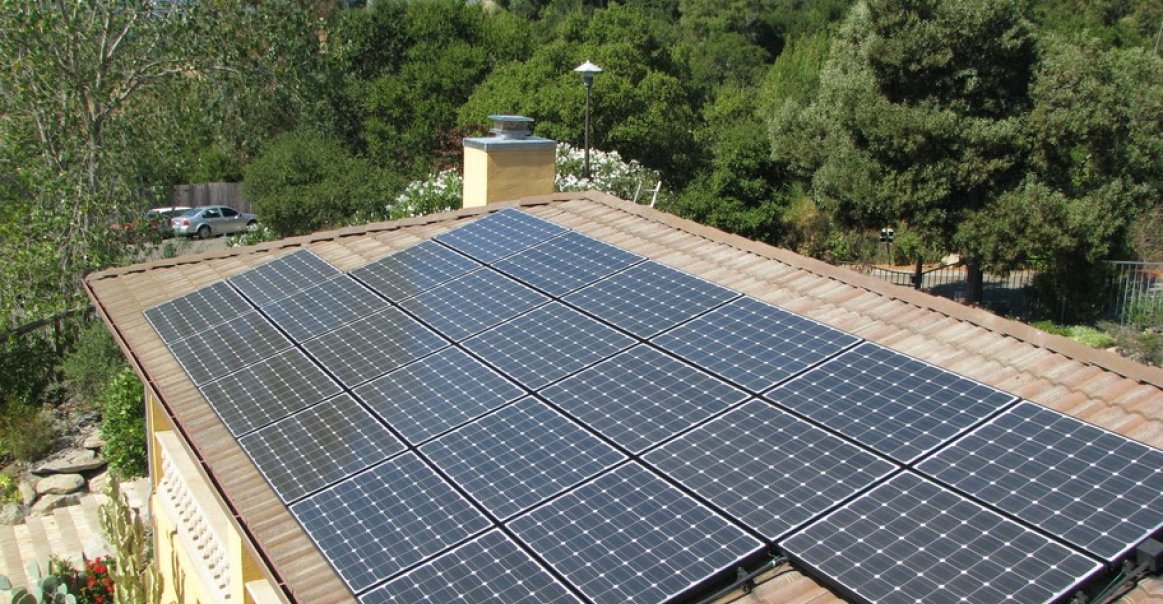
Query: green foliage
[[136, 579], [1083, 334], [49, 589], [123, 426], [92, 363], [305, 182], [9, 489], [439, 192], [26, 367], [93, 584], [26, 430], [608, 172]]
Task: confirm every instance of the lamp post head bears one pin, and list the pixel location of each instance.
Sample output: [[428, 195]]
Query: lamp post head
[[587, 71]]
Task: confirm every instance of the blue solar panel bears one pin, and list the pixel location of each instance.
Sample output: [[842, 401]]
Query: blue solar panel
[[892, 403], [320, 309], [628, 536], [768, 469], [268, 390], [519, 456], [566, 263], [498, 235], [754, 344], [910, 540], [547, 344], [490, 569], [319, 446], [649, 298], [641, 397], [378, 523], [364, 349], [196, 311], [228, 347], [414, 270], [284, 276], [437, 393], [472, 303], [1095, 489]]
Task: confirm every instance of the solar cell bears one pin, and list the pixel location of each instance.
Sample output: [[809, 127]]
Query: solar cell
[[196, 311], [228, 347], [754, 344], [364, 349], [641, 397], [378, 523], [628, 536], [437, 393], [472, 303], [490, 569], [567, 262], [268, 390], [283, 276], [500, 234], [892, 403], [910, 540], [413, 270], [319, 309], [649, 298], [319, 446], [547, 344], [768, 469], [519, 456], [1095, 489]]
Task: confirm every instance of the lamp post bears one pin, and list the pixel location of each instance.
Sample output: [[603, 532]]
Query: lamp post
[[587, 71]]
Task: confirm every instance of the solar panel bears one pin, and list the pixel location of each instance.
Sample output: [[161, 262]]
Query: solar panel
[[196, 311], [910, 540], [519, 456], [547, 344], [628, 536], [490, 569], [500, 234], [1095, 489], [754, 344], [228, 347], [892, 403], [413, 270], [472, 303], [649, 298], [269, 390], [566, 263], [768, 469], [437, 393], [317, 310], [283, 276], [319, 446], [378, 523], [641, 397], [364, 349]]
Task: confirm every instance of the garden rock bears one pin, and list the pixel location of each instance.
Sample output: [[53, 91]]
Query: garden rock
[[12, 513], [27, 492], [46, 504], [71, 462], [60, 484], [99, 483], [94, 441]]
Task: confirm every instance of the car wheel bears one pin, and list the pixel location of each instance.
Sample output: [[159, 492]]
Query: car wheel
[[252, 226], [203, 232]]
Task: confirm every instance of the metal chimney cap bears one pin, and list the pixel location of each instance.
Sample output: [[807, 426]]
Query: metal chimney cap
[[512, 127]]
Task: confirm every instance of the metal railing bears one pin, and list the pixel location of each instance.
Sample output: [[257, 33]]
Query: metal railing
[[1136, 293]]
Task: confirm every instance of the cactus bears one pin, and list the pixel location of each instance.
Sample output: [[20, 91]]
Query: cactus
[[51, 589], [136, 579]]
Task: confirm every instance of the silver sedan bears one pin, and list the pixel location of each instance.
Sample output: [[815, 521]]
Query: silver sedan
[[207, 221]]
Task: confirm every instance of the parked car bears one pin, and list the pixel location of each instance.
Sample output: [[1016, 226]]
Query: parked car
[[162, 218], [207, 221]]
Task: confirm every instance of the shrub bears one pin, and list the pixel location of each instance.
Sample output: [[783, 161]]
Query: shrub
[[26, 368], [439, 192], [123, 426], [26, 431], [92, 363], [9, 489], [608, 172]]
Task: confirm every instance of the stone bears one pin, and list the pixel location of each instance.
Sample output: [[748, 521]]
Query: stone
[[46, 504], [94, 441], [60, 484], [27, 492], [13, 513], [71, 462], [99, 483]]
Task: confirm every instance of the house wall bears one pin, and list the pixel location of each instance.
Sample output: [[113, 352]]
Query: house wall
[[501, 173]]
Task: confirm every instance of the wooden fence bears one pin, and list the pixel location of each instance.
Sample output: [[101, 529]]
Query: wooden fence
[[210, 194]]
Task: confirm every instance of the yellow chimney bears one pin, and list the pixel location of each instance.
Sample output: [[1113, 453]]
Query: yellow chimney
[[509, 164]]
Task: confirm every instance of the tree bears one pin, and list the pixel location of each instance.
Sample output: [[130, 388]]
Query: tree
[[918, 117]]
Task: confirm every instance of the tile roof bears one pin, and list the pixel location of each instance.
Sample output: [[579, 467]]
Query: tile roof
[[1093, 385]]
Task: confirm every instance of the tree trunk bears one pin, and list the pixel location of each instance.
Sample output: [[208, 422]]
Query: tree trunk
[[974, 279]]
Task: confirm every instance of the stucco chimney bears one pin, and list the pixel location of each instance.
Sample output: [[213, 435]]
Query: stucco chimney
[[509, 164]]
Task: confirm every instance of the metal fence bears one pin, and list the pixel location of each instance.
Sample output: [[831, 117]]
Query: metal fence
[[1136, 296]]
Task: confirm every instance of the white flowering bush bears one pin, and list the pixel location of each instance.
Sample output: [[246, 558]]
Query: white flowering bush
[[608, 172], [439, 192]]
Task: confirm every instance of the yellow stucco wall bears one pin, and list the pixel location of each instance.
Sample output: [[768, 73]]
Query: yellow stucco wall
[[180, 580], [503, 174]]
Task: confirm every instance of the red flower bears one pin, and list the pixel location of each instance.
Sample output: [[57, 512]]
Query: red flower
[[92, 582]]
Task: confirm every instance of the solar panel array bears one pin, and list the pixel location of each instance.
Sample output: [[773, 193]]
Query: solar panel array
[[516, 412]]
